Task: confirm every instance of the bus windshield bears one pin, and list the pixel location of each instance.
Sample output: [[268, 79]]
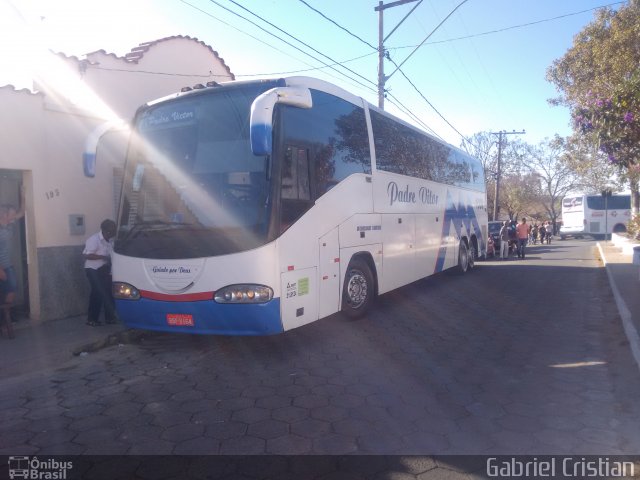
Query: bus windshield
[[192, 187]]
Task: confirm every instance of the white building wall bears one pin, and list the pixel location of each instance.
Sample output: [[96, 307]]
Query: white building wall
[[44, 136], [161, 71]]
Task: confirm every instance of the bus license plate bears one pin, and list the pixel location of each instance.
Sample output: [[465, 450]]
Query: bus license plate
[[180, 320]]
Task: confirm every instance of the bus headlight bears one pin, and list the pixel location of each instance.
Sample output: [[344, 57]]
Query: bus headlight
[[124, 291], [244, 293]]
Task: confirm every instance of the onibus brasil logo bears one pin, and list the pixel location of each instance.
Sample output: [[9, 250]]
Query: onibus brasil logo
[[33, 468]]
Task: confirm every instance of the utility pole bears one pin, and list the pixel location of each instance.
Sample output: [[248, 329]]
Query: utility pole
[[606, 194], [496, 202], [380, 9]]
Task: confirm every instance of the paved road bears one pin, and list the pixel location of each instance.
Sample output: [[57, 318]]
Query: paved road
[[515, 357]]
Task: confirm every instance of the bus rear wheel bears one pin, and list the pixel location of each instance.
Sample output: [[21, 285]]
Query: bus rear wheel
[[463, 257], [473, 254], [357, 294]]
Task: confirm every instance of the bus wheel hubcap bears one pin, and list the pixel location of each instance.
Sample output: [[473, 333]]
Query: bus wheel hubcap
[[357, 289]]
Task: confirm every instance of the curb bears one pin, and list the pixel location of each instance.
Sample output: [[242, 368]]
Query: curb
[[120, 338], [623, 310]]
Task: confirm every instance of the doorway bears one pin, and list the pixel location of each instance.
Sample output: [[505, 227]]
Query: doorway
[[10, 183]]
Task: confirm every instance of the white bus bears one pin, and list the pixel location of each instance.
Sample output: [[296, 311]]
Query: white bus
[[251, 208], [594, 215]]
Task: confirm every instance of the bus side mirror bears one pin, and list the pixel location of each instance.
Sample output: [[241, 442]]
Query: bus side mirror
[[261, 123], [92, 141]]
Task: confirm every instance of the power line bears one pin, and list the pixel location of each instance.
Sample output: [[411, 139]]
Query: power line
[[401, 21], [212, 75], [295, 38], [427, 38], [402, 107], [337, 24], [242, 31], [148, 72], [513, 27], [464, 139], [290, 44], [305, 69], [406, 110], [337, 63], [431, 105]]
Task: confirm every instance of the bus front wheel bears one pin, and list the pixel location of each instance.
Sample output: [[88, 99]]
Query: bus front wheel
[[357, 294]]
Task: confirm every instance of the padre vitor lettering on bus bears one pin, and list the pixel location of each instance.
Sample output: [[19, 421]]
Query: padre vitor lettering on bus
[[406, 195]]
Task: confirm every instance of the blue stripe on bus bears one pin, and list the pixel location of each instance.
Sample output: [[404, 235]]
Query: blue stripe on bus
[[208, 317], [456, 216]]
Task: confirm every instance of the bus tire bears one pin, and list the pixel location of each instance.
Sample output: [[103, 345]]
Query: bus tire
[[358, 290], [463, 257], [473, 255]]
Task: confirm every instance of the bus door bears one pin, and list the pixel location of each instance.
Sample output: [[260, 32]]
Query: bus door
[[299, 297], [295, 196]]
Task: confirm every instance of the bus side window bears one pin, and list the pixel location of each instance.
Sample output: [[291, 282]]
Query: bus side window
[[296, 192]]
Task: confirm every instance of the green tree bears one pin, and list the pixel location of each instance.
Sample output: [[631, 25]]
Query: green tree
[[594, 172], [547, 161], [484, 146], [599, 80], [519, 194]]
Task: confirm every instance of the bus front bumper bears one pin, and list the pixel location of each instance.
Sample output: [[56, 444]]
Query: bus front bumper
[[571, 231], [201, 317]]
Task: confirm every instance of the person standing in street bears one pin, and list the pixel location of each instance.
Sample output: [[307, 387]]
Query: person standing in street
[[549, 232], [543, 234], [8, 279], [504, 240], [522, 232], [97, 266]]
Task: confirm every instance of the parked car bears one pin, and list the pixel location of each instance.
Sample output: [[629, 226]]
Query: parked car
[[494, 234]]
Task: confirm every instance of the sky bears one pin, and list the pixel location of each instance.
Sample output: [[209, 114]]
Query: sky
[[482, 69]]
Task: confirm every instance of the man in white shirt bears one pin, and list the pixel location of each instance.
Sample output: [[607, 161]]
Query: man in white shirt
[[97, 266]]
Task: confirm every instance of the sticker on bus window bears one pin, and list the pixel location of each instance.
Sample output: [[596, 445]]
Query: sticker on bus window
[[180, 320]]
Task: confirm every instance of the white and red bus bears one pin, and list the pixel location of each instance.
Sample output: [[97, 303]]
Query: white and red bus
[[251, 208], [594, 215]]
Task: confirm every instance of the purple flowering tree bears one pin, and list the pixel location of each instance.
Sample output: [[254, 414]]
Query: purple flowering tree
[[613, 124], [599, 79]]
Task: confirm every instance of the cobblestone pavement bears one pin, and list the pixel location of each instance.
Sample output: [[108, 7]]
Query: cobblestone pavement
[[516, 357]]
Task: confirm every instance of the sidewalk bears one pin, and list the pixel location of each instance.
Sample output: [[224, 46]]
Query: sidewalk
[[624, 278], [39, 346]]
